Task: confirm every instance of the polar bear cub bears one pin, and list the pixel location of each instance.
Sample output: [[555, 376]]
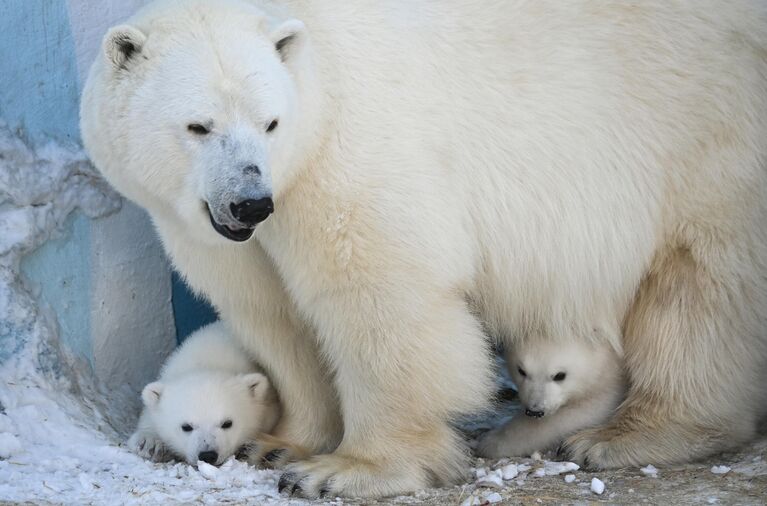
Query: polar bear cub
[[564, 386], [209, 401]]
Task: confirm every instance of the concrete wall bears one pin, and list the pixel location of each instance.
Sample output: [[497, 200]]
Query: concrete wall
[[106, 280]]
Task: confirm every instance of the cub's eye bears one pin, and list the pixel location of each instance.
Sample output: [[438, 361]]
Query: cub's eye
[[560, 376], [522, 372], [272, 125], [227, 424], [198, 129], [187, 428]]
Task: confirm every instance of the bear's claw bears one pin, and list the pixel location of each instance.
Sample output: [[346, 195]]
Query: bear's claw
[[286, 480]]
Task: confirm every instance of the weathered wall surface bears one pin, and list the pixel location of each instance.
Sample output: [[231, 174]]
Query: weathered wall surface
[[104, 282]]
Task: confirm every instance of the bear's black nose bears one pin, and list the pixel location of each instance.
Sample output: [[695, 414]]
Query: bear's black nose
[[534, 414], [251, 212], [208, 456]]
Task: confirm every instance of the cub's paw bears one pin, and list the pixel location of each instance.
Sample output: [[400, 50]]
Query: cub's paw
[[272, 452], [601, 448], [510, 440], [338, 475], [148, 446], [493, 444]]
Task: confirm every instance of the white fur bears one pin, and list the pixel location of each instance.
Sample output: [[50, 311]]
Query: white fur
[[207, 381], [587, 396], [536, 168]]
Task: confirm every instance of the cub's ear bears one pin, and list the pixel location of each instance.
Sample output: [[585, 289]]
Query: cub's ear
[[122, 44], [151, 394], [256, 383], [287, 36]]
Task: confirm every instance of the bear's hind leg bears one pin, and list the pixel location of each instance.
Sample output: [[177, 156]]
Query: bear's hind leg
[[694, 343]]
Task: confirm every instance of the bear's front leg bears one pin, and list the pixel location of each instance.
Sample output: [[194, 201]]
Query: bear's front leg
[[408, 355], [145, 441]]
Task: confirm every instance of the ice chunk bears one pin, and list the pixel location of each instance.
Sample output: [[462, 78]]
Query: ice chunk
[[650, 470], [720, 469], [493, 479], [208, 471], [597, 486], [556, 468], [569, 478], [509, 471], [493, 497]]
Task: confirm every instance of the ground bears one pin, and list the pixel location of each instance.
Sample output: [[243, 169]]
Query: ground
[[73, 464]]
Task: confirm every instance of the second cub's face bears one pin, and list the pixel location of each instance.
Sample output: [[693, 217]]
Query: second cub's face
[[207, 417], [549, 376]]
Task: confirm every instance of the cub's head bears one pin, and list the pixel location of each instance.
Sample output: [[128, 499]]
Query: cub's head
[[549, 375], [209, 416], [197, 111]]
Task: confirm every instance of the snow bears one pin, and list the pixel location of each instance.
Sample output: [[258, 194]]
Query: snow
[[557, 468], [720, 469], [649, 470], [509, 471], [597, 486], [9, 445], [493, 497], [492, 479], [569, 478]]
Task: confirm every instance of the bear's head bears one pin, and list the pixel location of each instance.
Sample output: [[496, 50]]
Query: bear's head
[[550, 374], [209, 416], [199, 111]]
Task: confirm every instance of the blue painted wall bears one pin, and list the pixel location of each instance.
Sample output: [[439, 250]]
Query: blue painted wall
[[191, 312], [40, 89], [38, 70]]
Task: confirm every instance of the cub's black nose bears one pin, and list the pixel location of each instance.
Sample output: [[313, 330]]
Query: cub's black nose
[[251, 212], [534, 414], [208, 456]]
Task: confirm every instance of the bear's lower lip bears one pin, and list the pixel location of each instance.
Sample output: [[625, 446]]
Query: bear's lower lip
[[237, 235]]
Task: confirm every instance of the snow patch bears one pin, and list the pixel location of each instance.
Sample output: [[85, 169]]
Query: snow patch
[[720, 469], [9, 445], [649, 470]]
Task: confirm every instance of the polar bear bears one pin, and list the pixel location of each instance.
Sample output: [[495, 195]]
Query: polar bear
[[564, 386], [209, 401], [363, 188]]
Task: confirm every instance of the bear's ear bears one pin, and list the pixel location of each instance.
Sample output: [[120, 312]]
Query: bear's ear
[[256, 383], [287, 36], [151, 394], [122, 44]]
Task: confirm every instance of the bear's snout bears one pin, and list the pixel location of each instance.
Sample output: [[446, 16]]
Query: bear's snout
[[534, 414], [208, 456], [251, 212]]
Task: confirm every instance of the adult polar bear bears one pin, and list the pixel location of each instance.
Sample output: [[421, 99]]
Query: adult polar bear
[[539, 168]]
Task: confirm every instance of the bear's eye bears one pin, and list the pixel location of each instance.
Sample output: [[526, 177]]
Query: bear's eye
[[560, 376], [272, 125], [227, 424], [522, 372], [198, 129], [186, 427]]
